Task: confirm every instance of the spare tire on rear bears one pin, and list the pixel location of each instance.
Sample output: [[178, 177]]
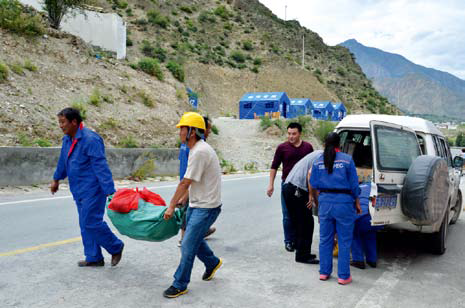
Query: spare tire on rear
[[425, 193]]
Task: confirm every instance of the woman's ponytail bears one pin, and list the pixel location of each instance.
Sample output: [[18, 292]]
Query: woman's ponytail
[[331, 143]]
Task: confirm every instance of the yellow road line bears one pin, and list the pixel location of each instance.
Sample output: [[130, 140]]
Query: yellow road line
[[29, 249]]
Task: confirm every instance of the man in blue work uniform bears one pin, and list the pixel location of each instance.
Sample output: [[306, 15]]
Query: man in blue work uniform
[[364, 241], [82, 160], [334, 176]]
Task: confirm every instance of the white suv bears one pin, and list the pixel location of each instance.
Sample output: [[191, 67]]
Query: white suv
[[415, 181]]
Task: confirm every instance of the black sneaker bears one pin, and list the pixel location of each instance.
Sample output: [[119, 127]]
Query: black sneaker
[[208, 275], [358, 264], [172, 292], [372, 264], [307, 260], [85, 263], [289, 247]]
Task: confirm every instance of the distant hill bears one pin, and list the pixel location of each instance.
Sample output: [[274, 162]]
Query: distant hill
[[413, 88], [219, 49]]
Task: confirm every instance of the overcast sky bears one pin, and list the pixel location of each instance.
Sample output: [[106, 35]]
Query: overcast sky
[[427, 32]]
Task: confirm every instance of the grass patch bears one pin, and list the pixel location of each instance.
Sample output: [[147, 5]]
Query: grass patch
[[14, 17], [206, 16], [43, 143], [251, 167], [128, 142], [153, 52], [265, 122], [145, 170], [30, 66], [222, 12], [227, 167], [82, 107], [247, 45], [215, 130], [95, 99], [323, 129], [24, 140], [238, 56], [3, 72], [17, 68], [110, 123], [176, 69], [154, 17], [146, 99], [151, 67]]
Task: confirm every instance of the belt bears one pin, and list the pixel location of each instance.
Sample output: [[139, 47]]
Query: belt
[[336, 191]]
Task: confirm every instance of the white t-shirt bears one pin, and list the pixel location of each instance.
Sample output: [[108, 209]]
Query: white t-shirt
[[203, 168]]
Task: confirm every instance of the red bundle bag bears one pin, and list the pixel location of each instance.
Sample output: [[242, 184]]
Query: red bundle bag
[[127, 199], [152, 197]]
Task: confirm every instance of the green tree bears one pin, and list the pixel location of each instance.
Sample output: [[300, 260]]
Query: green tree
[[460, 141], [56, 9]]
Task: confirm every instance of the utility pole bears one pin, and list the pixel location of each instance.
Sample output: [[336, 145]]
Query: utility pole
[[285, 12], [303, 50]]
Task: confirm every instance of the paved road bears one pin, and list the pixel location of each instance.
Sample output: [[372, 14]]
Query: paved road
[[257, 272]]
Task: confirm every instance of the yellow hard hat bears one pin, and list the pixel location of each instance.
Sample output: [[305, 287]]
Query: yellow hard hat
[[192, 119]]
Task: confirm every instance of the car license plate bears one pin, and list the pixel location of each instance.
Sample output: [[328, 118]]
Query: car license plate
[[389, 201]]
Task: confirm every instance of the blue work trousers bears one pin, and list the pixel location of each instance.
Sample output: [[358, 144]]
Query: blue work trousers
[[199, 220], [340, 218], [289, 229], [364, 242], [95, 232]]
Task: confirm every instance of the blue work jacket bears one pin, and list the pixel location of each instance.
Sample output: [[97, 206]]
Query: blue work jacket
[[364, 197], [86, 166], [344, 177], [183, 159]]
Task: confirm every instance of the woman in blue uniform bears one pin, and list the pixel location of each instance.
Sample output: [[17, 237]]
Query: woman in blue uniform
[[335, 178]]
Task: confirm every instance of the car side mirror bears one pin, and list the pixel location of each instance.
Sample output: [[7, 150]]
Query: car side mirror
[[458, 162]]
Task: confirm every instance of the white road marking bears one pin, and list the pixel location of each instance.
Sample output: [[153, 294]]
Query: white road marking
[[153, 187], [377, 295]]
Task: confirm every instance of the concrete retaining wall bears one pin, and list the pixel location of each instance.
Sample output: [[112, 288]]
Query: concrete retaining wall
[[27, 166]]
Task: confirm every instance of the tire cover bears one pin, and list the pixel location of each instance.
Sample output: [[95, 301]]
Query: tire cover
[[425, 193]]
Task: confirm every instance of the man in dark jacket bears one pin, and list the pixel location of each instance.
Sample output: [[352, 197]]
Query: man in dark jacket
[[82, 160]]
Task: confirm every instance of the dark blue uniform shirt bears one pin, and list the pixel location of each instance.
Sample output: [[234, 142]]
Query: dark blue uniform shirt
[[344, 177], [86, 167]]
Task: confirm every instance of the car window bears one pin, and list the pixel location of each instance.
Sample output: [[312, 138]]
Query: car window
[[421, 141], [396, 149], [445, 151], [436, 146], [358, 145]]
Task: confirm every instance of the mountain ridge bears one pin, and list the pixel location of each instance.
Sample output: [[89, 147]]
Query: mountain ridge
[[409, 85]]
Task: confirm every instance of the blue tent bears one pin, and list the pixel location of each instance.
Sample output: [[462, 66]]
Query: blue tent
[[256, 104], [339, 112], [322, 110], [299, 106]]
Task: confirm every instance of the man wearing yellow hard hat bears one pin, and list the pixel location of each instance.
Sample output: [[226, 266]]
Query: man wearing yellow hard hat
[[203, 181]]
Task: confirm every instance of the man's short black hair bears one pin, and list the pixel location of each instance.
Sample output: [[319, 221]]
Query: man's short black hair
[[463, 150], [295, 125], [71, 114]]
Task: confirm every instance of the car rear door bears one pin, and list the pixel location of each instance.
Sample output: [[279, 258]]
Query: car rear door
[[394, 148]]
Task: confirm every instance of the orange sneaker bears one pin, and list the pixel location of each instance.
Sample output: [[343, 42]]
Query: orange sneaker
[[345, 281], [324, 277]]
